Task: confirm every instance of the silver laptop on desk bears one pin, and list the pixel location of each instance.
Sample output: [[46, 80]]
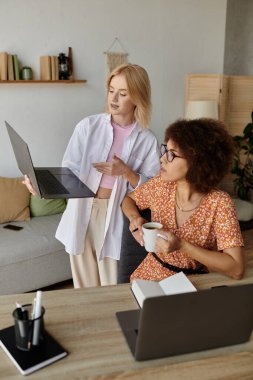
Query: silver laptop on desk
[[189, 322], [53, 182]]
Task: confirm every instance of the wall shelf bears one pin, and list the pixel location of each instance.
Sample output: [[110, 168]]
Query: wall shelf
[[80, 81]]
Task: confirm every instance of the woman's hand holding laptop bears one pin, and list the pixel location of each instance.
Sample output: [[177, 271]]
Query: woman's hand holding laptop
[[28, 184]]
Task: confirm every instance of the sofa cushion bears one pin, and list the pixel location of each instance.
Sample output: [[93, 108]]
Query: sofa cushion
[[37, 238], [15, 198], [46, 207], [32, 257]]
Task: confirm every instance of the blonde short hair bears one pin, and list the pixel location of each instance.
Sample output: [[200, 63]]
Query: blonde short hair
[[139, 89]]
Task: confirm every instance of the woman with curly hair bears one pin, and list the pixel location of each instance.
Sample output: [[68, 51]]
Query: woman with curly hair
[[200, 231]]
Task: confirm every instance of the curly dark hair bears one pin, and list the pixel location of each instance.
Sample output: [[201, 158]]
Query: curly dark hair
[[207, 147]]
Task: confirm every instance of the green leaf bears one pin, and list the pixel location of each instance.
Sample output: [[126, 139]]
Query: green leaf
[[242, 165], [248, 130], [242, 193], [238, 138]]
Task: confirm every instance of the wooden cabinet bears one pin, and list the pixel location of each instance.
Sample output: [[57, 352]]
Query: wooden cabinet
[[240, 103], [233, 93]]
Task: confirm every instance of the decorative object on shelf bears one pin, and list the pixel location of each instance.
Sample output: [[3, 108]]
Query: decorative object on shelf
[[195, 109], [64, 69], [10, 71], [26, 73], [114, 59], [243, 162], [71, 66]]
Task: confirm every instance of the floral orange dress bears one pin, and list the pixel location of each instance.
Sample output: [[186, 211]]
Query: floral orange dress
[[213, 226]]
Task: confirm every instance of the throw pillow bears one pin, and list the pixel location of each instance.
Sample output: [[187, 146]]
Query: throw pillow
[[15, 198], [44, 207]]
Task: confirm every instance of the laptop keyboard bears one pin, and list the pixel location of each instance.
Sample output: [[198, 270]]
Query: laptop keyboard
[[50, 184]]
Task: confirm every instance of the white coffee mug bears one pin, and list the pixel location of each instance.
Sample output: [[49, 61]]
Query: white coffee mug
[[149, 235]]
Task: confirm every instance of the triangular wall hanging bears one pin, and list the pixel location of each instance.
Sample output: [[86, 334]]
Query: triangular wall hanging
[[113, 58]]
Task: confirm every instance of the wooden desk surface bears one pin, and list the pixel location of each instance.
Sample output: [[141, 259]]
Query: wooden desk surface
[[84, 322]]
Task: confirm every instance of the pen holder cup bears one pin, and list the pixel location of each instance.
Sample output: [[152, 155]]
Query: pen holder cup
[[28, 331]]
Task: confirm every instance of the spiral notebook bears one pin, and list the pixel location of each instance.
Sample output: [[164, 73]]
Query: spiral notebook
[[27, 362]]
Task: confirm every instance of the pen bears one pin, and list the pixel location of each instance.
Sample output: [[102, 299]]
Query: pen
[[20, 315], [37, 314], [33, 309], [19, 310], [136, 229]]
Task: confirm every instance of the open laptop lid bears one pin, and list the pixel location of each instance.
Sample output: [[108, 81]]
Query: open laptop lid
[[48, 182], [184, 323], [23, 157]]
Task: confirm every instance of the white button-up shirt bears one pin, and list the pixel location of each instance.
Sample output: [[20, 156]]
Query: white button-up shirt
[[91, 142]]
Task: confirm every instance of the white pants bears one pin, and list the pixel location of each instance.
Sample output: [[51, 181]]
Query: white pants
[[86, 268]]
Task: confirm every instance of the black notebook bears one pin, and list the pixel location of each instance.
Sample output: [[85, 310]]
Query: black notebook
[[27, 362]]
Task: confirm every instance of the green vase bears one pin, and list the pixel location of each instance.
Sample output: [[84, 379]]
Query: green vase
[[26, 73]]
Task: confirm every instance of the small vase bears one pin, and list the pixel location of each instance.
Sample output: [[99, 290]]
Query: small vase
[[26, 73]]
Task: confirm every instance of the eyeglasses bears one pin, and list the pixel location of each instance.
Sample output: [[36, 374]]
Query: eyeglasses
[[170, 155]]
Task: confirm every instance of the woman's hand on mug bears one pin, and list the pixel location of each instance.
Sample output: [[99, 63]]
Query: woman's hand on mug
[[136, 228], [167, 242], [28, 184]]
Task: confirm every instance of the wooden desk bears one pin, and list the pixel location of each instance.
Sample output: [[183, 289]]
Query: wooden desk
[[84, 322]]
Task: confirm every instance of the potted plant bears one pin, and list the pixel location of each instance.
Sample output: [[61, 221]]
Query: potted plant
[[243, 162]]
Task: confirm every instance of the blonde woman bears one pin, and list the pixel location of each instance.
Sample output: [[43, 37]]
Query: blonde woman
[[112, 153]]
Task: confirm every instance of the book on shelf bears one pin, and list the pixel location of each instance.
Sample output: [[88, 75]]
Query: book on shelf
[[16, 67], [175, 284], [40, 356], [54, 67], [3, 65], [10, 67], [45, 67], [56, 62]]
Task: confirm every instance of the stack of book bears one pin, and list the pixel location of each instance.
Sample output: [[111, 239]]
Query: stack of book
[[49, 67], [9, 66]]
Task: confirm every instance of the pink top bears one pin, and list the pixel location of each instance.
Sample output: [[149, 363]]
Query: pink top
[[119, 136]]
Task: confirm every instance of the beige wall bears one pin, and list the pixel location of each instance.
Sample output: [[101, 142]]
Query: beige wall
[[170, 38], [239, 38]]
